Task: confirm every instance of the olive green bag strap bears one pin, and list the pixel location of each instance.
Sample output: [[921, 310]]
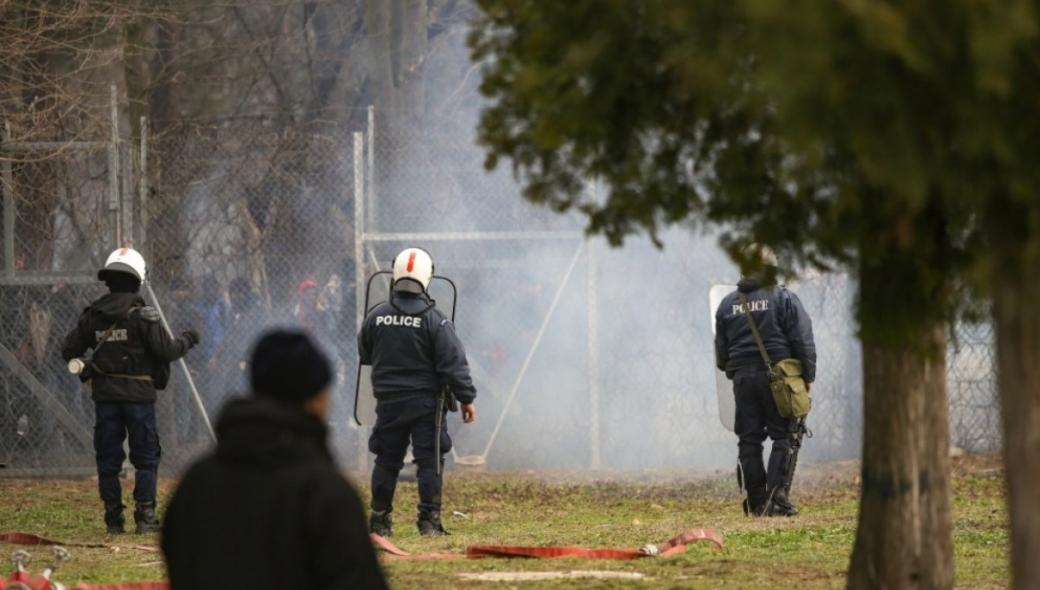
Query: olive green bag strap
[[754, 331], [104, 337]]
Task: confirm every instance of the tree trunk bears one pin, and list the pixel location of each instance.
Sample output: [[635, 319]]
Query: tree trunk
[[935, 498], [413, 51], [380, 64], [904, 537], [1018, 342]]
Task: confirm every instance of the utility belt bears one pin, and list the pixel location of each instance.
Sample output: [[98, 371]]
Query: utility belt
[[94, 370], [450, 403], [746, 366], [87, 369]]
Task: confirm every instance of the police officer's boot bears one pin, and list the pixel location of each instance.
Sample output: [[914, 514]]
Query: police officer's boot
[[145, 518], [114, 518], [751, 477], [430, 524], [782, 462], [381, 523], [780, 504]]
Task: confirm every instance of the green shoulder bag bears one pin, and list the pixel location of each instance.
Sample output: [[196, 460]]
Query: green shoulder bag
[[785, 377]]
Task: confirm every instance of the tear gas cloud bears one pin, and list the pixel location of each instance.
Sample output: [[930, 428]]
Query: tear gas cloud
[[583, 356]]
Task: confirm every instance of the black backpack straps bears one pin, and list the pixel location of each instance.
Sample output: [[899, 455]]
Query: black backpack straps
[[746, 306], [104, 337]]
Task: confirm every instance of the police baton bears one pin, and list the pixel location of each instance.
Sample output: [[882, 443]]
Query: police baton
[[438, 420], [184, 365]]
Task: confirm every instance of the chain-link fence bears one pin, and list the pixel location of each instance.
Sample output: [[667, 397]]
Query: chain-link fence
[[583, 355], [57, 215]]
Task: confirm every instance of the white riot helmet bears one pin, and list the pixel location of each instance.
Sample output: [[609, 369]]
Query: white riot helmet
[[124, 260], [413, 269]]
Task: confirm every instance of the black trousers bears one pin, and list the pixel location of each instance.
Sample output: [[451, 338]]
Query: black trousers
[[757, 419], [397, 424], [114, 423]]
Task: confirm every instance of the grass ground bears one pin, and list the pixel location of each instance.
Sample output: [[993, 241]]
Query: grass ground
[[628, 511]]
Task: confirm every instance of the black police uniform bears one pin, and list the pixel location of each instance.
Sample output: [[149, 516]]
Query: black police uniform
[[786, 331], [414, 353], [121, 374]]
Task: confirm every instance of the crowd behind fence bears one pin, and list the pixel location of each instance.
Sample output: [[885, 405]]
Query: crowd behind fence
[[584, 356]]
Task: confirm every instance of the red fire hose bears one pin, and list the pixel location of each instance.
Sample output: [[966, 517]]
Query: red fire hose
[[673, 546]]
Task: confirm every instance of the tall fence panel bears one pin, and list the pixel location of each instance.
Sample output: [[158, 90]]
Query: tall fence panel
[[59, 217], [584, 356]]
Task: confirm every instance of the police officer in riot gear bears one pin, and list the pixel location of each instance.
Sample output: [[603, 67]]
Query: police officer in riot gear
[[415, 357], [786, 332], [130, 360]]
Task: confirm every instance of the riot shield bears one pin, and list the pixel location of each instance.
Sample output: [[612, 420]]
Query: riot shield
[[723, 386], [441, 289]]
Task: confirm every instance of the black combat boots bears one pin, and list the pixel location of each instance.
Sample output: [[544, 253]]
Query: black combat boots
[[751, 476], [754, 506], [381, 522], [145, 518], [430, 524], [780, 504], [114, 518]]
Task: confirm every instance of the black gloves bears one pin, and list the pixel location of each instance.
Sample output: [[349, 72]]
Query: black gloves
[[191, 336]]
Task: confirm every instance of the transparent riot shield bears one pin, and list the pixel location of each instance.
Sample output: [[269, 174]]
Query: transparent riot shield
[[723, 386], [441, 289]]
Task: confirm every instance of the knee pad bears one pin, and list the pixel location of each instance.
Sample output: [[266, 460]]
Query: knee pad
[[388, 469], [145, 459], [749, 451], [110, 464], [427, 463]]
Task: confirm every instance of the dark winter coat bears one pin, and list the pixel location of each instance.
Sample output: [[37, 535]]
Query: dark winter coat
[[414, 351], [267, 509], [785, 327], [137, 345]]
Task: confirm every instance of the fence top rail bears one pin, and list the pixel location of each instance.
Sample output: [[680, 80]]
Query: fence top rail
[[29, 147], [25, 278], [473, 236]]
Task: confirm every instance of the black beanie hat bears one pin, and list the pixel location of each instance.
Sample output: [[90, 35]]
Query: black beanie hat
[[288, 367]]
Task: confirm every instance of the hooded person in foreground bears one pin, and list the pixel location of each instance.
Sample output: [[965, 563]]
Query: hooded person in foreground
[[268, 508]]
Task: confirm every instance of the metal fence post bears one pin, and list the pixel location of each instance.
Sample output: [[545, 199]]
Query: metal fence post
[[114, 174], [359, 259], [9, 205], [127, 195], [592, 350], [371, 156], [184, 365], [142, 199]]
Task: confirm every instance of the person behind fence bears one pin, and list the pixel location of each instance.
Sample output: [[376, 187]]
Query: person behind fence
[[268, 508], [130, 361], [180, 309], [245, 320], [210, 306], [416, 358], [764, 343]]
